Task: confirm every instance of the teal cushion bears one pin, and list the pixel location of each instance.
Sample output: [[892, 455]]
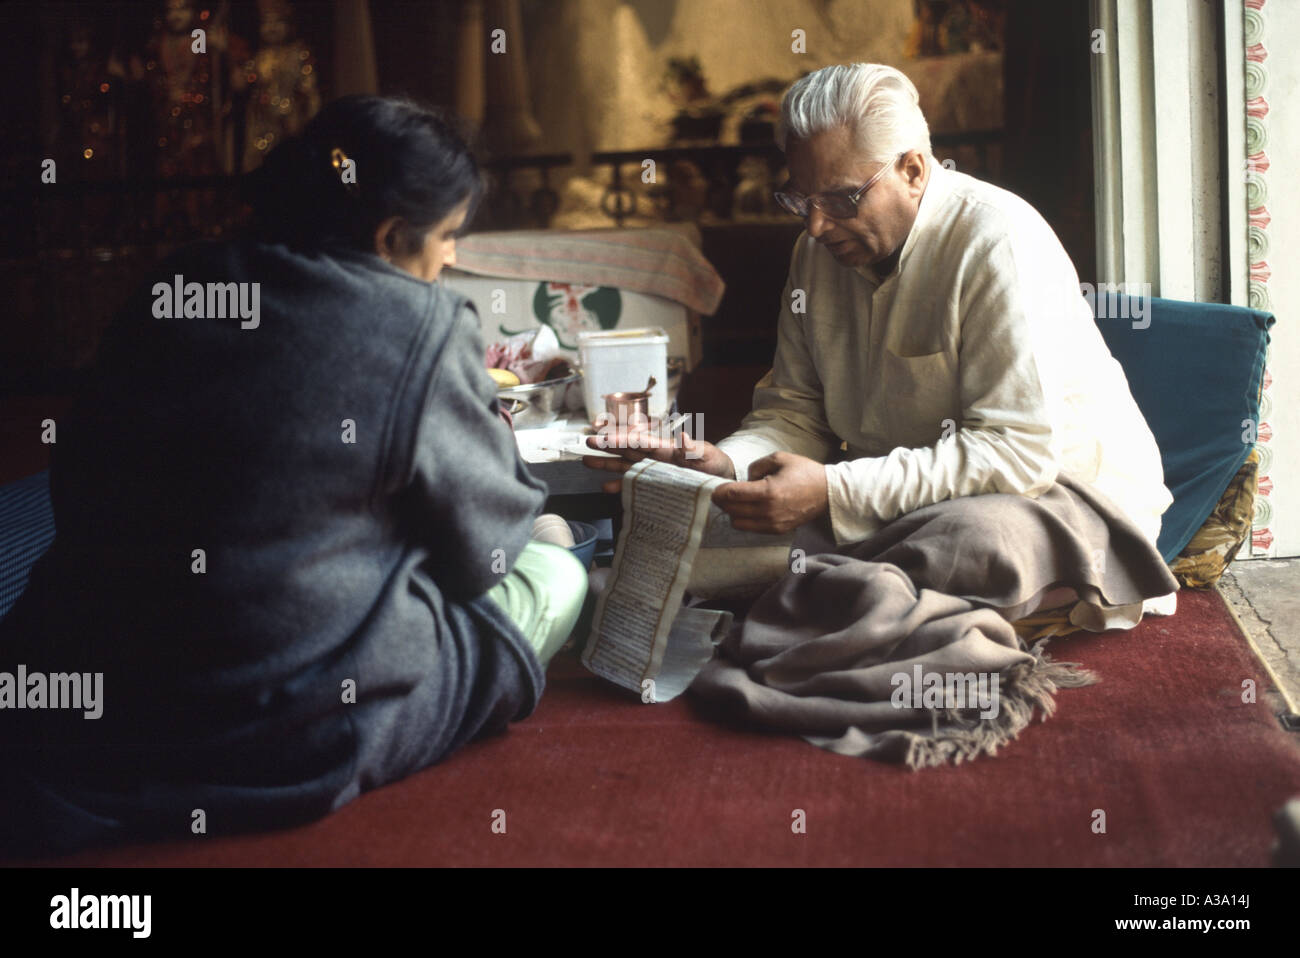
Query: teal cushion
[[1195, 372]]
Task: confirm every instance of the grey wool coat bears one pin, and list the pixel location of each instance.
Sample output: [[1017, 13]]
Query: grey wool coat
[[274, 541]]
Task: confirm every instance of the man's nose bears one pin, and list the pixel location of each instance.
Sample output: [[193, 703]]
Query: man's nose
[[817, 222]]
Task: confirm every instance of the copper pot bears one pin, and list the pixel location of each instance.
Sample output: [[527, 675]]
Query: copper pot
[[630, 408]]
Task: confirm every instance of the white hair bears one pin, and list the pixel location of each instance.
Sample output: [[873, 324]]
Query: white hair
[[876, 103]]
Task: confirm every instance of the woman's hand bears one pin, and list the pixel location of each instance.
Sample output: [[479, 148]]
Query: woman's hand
[[505, 415], [633, 445]]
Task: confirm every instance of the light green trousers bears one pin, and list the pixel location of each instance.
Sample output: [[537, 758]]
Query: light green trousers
[[543, 595]]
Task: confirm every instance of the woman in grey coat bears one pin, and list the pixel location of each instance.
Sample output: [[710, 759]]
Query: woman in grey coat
[[292, 529]]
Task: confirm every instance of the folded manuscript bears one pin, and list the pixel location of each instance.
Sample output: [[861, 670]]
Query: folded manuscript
[[642, 638]]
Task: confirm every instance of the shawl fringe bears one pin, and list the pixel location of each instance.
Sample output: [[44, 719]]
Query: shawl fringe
[[960, 734]]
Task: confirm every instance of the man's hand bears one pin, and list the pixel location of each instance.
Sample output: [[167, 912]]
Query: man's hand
[[633, 445], [783, 492]]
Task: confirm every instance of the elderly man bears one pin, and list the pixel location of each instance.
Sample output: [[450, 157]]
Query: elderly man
[[941, 401]]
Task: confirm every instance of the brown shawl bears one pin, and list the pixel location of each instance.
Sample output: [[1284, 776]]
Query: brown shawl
[[878, 648]]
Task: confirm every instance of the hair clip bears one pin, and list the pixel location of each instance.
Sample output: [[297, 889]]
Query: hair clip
[[347, 170]]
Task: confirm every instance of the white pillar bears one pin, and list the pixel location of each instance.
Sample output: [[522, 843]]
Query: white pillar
[[1156, 105]]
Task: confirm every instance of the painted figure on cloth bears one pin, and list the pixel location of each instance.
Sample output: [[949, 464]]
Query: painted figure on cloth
[[280, 79]]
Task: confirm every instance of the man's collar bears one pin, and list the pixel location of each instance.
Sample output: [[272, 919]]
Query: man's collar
[[937, 188]]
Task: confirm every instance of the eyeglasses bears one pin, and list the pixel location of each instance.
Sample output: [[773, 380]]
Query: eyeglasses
[[838, 206]]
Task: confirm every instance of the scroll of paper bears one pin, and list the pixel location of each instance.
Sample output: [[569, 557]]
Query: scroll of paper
[[642, 638]]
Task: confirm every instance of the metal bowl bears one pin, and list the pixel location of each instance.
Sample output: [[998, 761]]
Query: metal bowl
[[537, 403]]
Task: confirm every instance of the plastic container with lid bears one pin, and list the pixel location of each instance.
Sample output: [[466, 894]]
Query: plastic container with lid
[[623, 360]]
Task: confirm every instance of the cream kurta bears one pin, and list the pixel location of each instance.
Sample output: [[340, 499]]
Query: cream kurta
[[975, 367]]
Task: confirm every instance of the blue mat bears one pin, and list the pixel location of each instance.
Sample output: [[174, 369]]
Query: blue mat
[[26, 531]]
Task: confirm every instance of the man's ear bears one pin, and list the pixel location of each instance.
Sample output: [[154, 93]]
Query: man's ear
[[388, 238], [916, 169]]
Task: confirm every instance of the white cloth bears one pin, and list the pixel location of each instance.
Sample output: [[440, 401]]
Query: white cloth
[[975, 367]]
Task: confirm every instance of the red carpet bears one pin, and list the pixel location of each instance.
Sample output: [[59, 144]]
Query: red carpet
[[1186, 774]]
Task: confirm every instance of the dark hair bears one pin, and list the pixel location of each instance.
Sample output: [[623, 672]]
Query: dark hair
[[407, 160]]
